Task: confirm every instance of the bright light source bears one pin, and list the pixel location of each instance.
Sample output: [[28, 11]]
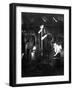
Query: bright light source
[[55, 19], [32, 55], [34, 48], [57, 48], [41, 28], [44, 37]]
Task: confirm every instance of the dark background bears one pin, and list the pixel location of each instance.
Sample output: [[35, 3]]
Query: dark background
[[46, 64]]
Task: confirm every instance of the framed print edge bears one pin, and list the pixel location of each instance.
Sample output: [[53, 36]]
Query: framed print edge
[[70, 44], [12, 64]]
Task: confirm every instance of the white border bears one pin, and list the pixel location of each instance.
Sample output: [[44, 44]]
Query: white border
[[25, 80]]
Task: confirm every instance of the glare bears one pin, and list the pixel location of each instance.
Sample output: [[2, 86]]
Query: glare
[[32, 54], [44, 37], [57, 48], [34, 48], [41, 28]]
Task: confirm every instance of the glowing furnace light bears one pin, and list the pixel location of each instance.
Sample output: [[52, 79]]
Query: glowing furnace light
[[41, 28], [33, 55], [44, 37], [57, 48], [34, 48]]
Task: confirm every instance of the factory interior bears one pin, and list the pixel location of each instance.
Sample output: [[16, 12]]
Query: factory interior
[[42, 44]]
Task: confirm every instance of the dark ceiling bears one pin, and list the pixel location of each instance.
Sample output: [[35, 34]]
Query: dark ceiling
[[32, 21]]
